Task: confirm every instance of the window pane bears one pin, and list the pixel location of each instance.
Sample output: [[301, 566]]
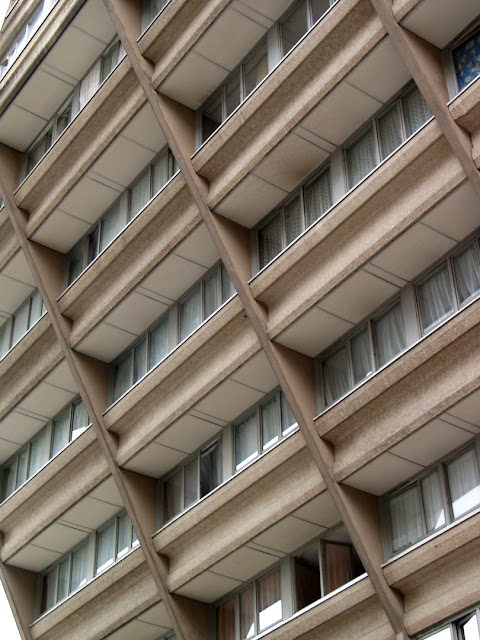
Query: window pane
[[435, 298], [109, 61], [154, 8], [228, 290], [20, 321], [232, 93], [318, 8], [39, 150], [338, 562], [444, 634], [210, 473], [106, 547], [469, 628], [158, 343], [35, 308], [466, 59], [390, 131], [49, 590], [140, 360], [122, 376], [140, 194], [76, 262], [389, 335], [256, 68], [79, 568], [318, 198], [416, 111], [336, 380], [226, 620], [361, 356], [160, 173], [172, 496], [433, 502], [63, 120], [124, 532], [361, 158], [294, 26], [8, 478], [22, 468], [80, 419], [464, 481], [293, 219], [269, 600], [62, 590], [247, 613], [191, 482], [246, 435], [37, 453], [270, 422], [212, 116], [61, 431], [110, 226], [405, 519], [89, 84], [307, 574], [191, 313], [211, 295], [288, 419], [270, 241], [467, 273], [92, 243]]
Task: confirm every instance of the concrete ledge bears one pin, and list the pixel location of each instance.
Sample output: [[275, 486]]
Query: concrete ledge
[[9, 243]]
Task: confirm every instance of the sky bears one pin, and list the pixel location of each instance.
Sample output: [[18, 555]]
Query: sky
[[7, 623]]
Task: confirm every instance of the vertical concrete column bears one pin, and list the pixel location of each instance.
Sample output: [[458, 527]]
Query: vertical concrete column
[[91, 378], [294, 372], [425, 64], [20, 588]]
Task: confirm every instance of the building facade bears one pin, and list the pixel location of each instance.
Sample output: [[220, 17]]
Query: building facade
[[239, 319]]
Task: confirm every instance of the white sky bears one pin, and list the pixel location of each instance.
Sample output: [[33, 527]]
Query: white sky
[[8, 626]]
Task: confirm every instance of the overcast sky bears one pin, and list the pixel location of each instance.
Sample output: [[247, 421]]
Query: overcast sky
[[8, 627]]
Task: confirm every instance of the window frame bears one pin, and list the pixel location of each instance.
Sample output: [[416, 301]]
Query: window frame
[[448, 60]]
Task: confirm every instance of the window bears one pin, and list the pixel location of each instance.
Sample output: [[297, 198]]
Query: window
[[21, 321], [197, 477], [357, 357], [453, 284], [466, 627], [466, 60], [256, 65], [439, 496], [128, 206], [385, 134], [199, 304], [64, 428], [151, 9], [91, 557]]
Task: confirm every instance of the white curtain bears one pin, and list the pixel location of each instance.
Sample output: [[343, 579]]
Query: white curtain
[[405, 519], [124, 534], [140, 194], [293, 219], [140, 360], [62, 588], [270, 241], [61, 432], [110, 226], [80, 419], [49, 584], [211, 295], [191, 313], [416, 111], [464, 481], [288, 419], [270, 422], [435, 298], [79, 569], [20, 322], [106, 547], [158, 343], [269, 600], [361, 158], [336, 380], [390, 131], [433, 502], [389, 335], [467, 273], [361, 356], [318, 198], [191, 482], [89, 84], [246, 446], [37, 457]]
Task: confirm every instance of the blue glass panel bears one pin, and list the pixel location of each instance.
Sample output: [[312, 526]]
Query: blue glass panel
[[466, 58]]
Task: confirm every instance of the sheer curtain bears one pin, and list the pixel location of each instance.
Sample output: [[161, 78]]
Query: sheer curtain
[[318, 198], [80, 419], [160, 173], [389, 335], [191, 483], [467, 273], [79, 569], [89, 84], [62, 588], [269, 600], [122, 378], [405, 519], [270, 422], [415, 110], [110, 226], [226, 620], [435, 298], [288, 419], [293, 219], [140, 360], [158, 343], [336, 379], [211, 295], [37, 449], [124, 533], [35, 309], [246, 445], [61, 432], [390, 131], [433, 502], [191, 313], [361, 356], [106, 547], [361, 158], [464, 481], [140, 194], [247, 613], [270, 241]]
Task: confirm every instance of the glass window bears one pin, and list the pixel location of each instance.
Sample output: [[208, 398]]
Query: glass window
[[228, 290], [318, 8], [247, 612], [63, 578], [416, 111], [106, 547], [405, 519], [161, 173], [158, 343], [22, 468], [122, 378], [36, 307], [79, 568], [467, 274], [191, 313], [361, 158], [211, 294], [212, 116], [270, 241], [293, 214], [389, 335], [232, 93], [225, 620], [246, 440], [61, 431], [140, 194], [288, 419], [269, 600], [256, 68], [466, 59], [294, 26], [210, 471], [435, 298], [270, 422], [469, 628], [318, 198], [191, 482], [390, 131], [80, 419], [110, 226], [464, 482], [172, 496], [20, 321], [336, 379], [433, 502], [76, 260], [124, 535], [361, 356], [37, 453], [307, 576], [140, 360]]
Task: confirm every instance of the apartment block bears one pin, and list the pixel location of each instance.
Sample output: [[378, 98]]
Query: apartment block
[[239, 319]]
